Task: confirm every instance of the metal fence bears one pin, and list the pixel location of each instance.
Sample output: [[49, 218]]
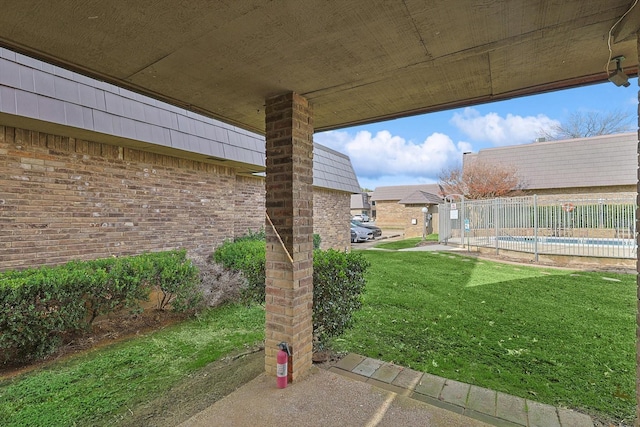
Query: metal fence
[[543, 225]]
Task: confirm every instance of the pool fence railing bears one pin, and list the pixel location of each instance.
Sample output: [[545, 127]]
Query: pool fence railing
[[550, 225]]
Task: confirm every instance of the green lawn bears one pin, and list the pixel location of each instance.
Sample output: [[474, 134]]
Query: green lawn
[[554, 336], [406, 243], [94, 388]]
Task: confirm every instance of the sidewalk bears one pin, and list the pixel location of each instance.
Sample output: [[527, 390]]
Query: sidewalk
[[323, 399], [359, 391], [489, 406]]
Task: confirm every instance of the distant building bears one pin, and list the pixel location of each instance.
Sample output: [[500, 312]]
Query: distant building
[[361, 204], [602, 166], [599, 167], [399, 207]]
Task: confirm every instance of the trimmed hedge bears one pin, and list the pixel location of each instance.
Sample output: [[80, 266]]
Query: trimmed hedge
[[39, 306], [112, 284], [249, 257], [36, 309], [177, 278], [338, 282]]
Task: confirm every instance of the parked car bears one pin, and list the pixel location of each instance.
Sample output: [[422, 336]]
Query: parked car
[[361, 217], [361, 234], [377, 231]]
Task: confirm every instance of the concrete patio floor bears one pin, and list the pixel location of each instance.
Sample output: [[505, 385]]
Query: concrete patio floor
[[359, 391]]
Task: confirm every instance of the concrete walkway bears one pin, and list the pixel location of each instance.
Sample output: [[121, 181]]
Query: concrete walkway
[[489, 406], [359, 391], [434, 247], [394, 236], [324, 399]]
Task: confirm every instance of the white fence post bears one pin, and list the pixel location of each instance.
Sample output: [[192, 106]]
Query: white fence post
[[535, 226]]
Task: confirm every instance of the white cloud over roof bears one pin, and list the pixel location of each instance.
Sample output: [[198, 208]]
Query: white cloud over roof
[[384, 154], [500, 131], [386, 158]]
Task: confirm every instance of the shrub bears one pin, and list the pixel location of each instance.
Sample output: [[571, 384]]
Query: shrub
[[37, 309], [218, 285], [112, 284], [39, 306], [338, 283], [338, 279], [252, 236], [177, 279], [249, 257]]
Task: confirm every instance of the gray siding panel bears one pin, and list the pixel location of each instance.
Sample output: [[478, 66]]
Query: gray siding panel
[[73, 116], [35, 89], [66, 90], [26, 79], [27, 104], [8, 100], [51, 110], [10, 74], [44, 83]]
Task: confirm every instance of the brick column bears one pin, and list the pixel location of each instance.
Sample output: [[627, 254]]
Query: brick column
[[289, 203]]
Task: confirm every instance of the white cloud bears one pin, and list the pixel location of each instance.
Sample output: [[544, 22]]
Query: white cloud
[[500, 131], [382, 181], [385, 155]]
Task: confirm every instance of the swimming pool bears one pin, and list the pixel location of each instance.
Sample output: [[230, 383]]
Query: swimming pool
[[569, 240], [562, 245]]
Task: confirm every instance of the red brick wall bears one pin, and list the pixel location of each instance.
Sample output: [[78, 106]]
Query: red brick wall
[[415, 212], [397, 217], [249, 203], [390, 214], [64, 198], [331, 218]]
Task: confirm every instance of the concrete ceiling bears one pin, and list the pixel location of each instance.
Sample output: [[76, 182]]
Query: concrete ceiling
[[357, 61]]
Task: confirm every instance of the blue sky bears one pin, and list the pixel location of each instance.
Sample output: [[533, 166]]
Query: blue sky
[[416, 149]]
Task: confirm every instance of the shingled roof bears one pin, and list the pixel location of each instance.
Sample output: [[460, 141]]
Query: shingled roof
[[399, 192], [609, 160], [421, 198], [360, 201], [333, 170]]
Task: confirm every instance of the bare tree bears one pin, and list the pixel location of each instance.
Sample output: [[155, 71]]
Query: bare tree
[[480, 179], [584, 125]]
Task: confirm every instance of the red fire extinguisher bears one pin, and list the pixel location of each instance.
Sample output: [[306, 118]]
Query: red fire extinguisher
[[282, 365]]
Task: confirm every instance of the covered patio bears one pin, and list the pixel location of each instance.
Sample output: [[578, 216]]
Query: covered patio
[[287, 69]]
